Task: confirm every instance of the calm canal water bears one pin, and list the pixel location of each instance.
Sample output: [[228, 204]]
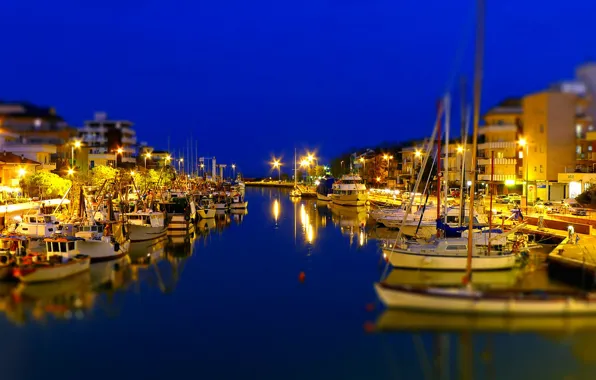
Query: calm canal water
[[230, 305]]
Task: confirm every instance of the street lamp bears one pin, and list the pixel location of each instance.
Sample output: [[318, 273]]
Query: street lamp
[[168, 159], [119, 151], [180, 161], [342, 167], [147, 155], [233, 171], [70, 171], [22, 172], [387, 157], [76, 144], [524, 143], [277, 165]]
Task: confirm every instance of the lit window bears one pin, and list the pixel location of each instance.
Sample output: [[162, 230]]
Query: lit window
[[578, 149], [578, 130], [521, 154], [589, 148]]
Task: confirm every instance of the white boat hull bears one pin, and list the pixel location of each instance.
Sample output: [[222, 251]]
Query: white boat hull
[[461, 300], [412, 260], [349, 200], [101, 250], [55, 272], [137, 233], [206, 213], [239, 205]]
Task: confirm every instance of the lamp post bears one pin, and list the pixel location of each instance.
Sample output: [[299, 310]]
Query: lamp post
[[119, 151], [76, 144], [147, 155], [233, 170], [180, 161], [342, 167], [524, 143], [203, 168], [168, 159], [387, 158], [70, 172], [277, 165]]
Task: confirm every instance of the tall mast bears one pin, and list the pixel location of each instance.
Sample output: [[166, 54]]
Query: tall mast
[[439, 136], [478, 71], [295, 173], [447, 126]]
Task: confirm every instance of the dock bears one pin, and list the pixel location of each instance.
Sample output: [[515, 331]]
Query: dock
[[286, 185]]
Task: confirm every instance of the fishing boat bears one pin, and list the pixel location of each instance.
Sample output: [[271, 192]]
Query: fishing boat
[[146, 225], [238, 202], [448, 254], [350, 190], [12, 248], [38, 226], [62, 259], [105, 246], [221, 201], [206, 209], [179, 221]]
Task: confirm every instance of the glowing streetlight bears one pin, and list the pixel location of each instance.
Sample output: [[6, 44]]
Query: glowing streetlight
[[76, 144], [70, 171], [524, 143], [460, 149], [132, 173], [277, 165], [180, 161], [168, 159], [22, 172], [147, 155], [418, 153], [233, 170], [119, 151]]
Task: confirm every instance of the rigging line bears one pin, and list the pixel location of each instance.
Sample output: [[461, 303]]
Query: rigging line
[[467, 35]]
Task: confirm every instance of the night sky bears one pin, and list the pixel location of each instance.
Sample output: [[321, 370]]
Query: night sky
[[251, 79]]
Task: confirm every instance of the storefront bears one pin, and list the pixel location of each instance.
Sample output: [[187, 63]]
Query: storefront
[[576, 183]]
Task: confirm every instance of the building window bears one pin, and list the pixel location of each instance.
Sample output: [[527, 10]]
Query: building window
[[521, 154], [541, 170], [535, 169], [589, 148], [578, 130], [578, 149], [541, 128], [499, 154]]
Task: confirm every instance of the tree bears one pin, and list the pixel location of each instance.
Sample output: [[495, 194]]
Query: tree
[[45, 184], [100, 174]]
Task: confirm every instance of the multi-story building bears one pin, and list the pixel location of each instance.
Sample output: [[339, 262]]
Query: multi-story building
[[458, 156], [34, 132], [109, 142], [550, 136], [498, 148]]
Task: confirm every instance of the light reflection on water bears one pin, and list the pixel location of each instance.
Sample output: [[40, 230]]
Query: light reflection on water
[[233, 292]]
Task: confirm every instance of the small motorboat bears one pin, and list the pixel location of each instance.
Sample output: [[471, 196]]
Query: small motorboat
[[206, 209]]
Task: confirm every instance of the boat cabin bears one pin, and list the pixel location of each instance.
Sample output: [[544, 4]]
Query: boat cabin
[[13, 245], [150, 219], [40, 225], [349, 185], [64, 247]]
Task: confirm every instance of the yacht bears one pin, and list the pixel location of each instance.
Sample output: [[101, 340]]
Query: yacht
[[350, 190]]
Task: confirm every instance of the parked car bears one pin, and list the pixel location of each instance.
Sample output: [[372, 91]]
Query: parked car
[[574, 208], [513, 197], [504, 199]]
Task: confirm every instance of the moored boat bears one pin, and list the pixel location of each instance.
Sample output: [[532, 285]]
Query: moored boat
[[206, 209], [61, 260], [145, 225], [350, 190]]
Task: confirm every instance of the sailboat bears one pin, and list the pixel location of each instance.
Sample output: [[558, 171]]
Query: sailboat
[[295, 192], [466, 299]]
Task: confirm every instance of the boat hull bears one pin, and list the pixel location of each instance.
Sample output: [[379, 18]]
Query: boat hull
[[349, 200], [178, 226], [460, 300], [100, 250], [324, 198], [53, 273], [206, 213], [138, 233], [239, 205], [412, 260]]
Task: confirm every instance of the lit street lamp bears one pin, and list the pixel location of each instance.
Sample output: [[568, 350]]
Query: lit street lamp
[[70, 172], [387, 157], [277, 165], [180, 161], [119, 151], [233, 170], [76, 144], [147, 155], [524, 143]]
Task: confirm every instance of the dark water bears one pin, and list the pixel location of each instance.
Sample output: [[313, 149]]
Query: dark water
[[232, 306]]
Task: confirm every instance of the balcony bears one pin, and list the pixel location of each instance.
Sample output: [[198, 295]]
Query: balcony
[[498, 145], [496, 177], [129, 140], [498, 161]]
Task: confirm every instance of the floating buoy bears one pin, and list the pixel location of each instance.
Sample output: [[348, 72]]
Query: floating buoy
[[301, 276], [369, 327], [370, 306]]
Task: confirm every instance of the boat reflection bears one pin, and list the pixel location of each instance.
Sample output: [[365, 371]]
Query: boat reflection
[[351, 221], [412, 277]]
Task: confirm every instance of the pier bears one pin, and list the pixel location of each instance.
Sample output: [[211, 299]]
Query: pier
[[285, 185]]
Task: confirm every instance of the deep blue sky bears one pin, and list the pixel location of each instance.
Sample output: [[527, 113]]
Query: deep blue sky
[[256, 78]]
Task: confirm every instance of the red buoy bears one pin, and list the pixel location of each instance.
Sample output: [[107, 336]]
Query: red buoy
[[369, 327], [301, 276]]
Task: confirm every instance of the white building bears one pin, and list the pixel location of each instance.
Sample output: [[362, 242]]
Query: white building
[[106, 138]]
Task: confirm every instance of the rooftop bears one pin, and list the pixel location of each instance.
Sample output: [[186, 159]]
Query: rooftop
[[11, 158], [16, 109]]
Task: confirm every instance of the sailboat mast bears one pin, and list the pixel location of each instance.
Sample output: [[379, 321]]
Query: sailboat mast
[[439, 136], [295, 173], [478, 71], [447, 126]]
